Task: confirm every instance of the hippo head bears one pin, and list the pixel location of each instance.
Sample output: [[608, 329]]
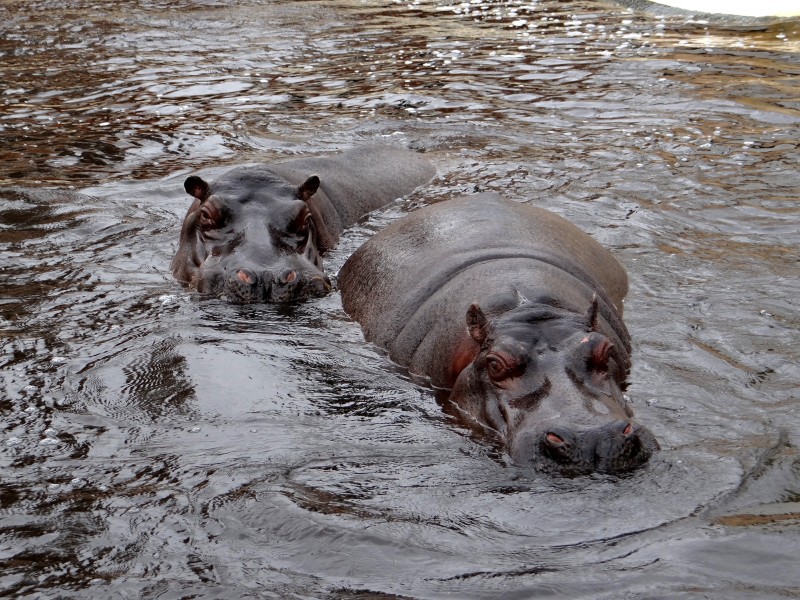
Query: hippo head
[[252, 237], [547, 385]]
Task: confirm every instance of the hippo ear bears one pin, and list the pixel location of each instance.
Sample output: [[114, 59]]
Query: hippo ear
[[591, 314], [308, 189], [196, 187], [477, 323]]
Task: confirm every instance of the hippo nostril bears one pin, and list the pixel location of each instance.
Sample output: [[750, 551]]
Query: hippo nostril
[[560, 446], [287, 276], [245, 276], [622, 446]]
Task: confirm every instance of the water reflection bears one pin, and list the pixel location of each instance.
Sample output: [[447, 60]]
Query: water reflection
[[157, 445]]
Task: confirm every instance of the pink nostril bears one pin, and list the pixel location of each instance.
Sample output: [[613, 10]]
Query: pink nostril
[[244, 276], [554, 440], [628, 429], [287, 276]]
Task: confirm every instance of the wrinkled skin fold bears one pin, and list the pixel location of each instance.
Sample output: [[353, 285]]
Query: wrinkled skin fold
[[259, 233], [519, 314]]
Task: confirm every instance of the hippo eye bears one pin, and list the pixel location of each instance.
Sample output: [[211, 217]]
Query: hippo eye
[[600, 354], [302, 227], [210, 216], [495, 369], [500, 368], [307, 225], [301, 223]]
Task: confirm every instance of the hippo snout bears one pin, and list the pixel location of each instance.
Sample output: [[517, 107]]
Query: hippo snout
[[246, 286], [291, 284], [614, 447]]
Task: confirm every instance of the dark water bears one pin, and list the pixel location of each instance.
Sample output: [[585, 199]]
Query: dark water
[[157, 445]]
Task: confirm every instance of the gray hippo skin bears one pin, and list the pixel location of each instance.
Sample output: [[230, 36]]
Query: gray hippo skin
[[539, 363], [258, 233]]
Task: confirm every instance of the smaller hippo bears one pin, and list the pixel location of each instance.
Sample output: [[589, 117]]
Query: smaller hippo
[[519, 314], [258, 233]]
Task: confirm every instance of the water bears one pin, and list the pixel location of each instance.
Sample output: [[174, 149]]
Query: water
[[158, 445]]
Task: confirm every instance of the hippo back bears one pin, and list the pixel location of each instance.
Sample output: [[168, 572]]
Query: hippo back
[[410, 285]]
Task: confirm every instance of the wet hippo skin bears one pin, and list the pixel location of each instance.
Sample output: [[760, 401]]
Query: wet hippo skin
[[258, 233], [519, 314]]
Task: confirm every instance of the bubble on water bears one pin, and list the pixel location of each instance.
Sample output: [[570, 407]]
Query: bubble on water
[[29, 389], [168, 299], [13, 441], [193, 429], [31, 410], [58, 360], [50, 432], [77, 482], [49, 442], [53, 487]]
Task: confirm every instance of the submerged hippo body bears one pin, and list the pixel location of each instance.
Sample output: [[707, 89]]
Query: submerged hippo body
[[257, 234], [540, 364]]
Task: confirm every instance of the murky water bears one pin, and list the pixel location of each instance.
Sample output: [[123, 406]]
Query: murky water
[[157, 445]]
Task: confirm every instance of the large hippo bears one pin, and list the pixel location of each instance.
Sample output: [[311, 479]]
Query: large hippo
[[519, 314], [258, 233]]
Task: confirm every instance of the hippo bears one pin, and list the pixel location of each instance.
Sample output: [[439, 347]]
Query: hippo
[[258, 233], [516, 314]]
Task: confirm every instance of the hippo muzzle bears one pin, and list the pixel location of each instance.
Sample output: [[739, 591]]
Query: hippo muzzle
[[243, 285], [615, 447]]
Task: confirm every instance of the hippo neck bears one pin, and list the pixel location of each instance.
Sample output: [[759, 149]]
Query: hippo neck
[[458, 263]]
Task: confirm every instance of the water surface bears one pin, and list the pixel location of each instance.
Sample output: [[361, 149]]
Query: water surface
[[160, 445]]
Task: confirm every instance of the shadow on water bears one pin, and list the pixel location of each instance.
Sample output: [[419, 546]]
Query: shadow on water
[[160, 445]]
